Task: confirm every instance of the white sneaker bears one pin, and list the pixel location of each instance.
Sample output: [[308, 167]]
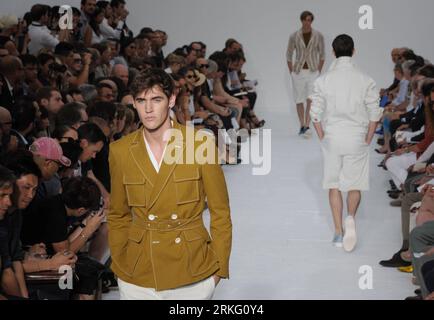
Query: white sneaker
[[350, 236]]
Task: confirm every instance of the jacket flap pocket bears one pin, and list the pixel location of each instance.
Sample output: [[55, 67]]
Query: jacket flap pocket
[[136, 235], [186, 174]]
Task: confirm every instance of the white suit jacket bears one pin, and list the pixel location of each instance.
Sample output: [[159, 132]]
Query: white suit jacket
[[344, 99]]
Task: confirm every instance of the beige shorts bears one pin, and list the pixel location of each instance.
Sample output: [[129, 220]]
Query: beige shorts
[[302, 84], [346, 163]]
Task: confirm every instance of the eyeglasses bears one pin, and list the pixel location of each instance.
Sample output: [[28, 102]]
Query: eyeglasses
[[204, 66], [192, 77]]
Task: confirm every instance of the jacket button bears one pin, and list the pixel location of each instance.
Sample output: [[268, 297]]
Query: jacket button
[[151, 217], [178, 240], [174, 216]]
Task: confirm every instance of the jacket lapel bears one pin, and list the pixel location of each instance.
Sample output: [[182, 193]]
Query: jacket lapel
[[141, 158]]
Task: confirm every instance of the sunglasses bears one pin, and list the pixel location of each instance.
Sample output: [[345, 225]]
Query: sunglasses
[[204, 66], [192, 77]]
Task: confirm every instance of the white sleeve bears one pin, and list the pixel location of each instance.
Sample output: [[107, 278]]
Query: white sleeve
[[372, 102], [318, 102], [49, 41]]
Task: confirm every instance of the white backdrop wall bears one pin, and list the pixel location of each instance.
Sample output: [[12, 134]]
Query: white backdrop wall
[[263, 27]]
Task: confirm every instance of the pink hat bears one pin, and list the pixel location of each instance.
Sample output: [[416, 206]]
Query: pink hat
[[49, 149]]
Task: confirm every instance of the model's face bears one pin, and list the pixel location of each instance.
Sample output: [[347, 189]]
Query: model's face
[[5, 200], [153, 107], [307, 23], [26, 186]]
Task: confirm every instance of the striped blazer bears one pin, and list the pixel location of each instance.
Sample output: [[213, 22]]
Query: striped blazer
[[312, 54]]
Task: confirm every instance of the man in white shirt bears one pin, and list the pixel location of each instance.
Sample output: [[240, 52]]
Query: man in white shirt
[[40, 36], [345, 112]]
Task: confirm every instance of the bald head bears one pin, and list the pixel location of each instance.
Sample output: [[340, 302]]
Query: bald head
[[120, 71], [10, 65], [5, 120], [12, 68]]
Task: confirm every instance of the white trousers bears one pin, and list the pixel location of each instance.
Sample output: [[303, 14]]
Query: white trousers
[[302, 84], [398, 165], [203, 290]]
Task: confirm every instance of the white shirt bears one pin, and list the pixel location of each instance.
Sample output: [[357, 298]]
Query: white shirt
[[154, 161], [344, 99], [96, 38], [40, 37], [108, 32]]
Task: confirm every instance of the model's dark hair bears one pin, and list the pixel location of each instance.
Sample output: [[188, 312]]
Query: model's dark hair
[[306, 14], [343, 45], [151, 78]]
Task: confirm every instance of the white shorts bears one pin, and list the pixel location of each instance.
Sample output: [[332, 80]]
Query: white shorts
[[202, 290], [302, 84], [346, 163]]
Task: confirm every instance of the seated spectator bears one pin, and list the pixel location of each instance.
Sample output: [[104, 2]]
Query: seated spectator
[[27, 176], [66, 223], [103, 70], [45, 73], [31, 83], [51, 99], [11, 76], [12, 280], [105, 92], [175, 63], [64, 134], [92, 33], [24, 114], [72, 115], [92, 141], [8, 142], [121, 72], [128, 51]]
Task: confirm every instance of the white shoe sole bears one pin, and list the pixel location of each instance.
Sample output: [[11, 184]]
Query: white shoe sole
[[350, 236], [337, 244]]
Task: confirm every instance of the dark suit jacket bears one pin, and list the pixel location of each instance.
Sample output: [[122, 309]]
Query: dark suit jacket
[[7, 99]]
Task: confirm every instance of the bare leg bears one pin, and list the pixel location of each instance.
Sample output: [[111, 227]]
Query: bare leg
[[336, 204], [353, 201], [300, 112], [308, 105]]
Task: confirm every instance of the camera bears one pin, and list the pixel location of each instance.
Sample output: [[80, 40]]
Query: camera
[[56, 67]]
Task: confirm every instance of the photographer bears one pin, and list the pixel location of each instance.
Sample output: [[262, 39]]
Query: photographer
[[64, 52]]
